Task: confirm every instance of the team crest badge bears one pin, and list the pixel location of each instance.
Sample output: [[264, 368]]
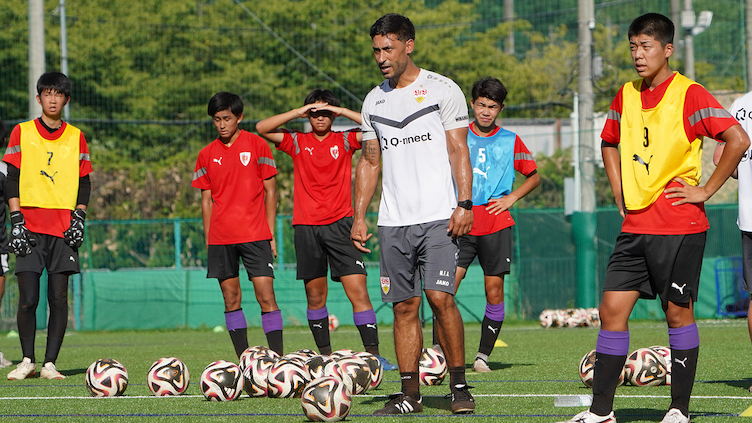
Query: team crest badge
[[334, 150], [420, 94], [385, 284], [245, 158]]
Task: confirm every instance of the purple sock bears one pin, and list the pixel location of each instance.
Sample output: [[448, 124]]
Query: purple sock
[[684, 338], [319, 314], [612, 343], [235, 320], [495, 311], [367, 317], [271, 321]]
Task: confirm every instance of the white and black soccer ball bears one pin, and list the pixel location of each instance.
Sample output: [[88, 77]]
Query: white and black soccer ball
[[432, 367], [168, 376], [295, 356], [222, 381], [287, 378], [547, 318], [307, 352], [106, 377], [587, 367], [256, 351], [377, 371], [358, 371], [344, 352], [645, 367], [316, 366], [326, 399], [594, 317], [256, 374], [666, 353], [333, 323]]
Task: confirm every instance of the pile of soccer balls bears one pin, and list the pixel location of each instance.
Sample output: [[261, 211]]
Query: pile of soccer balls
[[570, 318], [644, 367], [106, 377]]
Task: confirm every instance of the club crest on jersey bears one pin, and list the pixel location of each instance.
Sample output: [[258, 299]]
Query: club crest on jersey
[[420, 94], [334, 150], [245, 158], [385, 284]]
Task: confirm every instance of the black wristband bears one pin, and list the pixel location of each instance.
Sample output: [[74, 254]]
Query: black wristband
[[465, 204]]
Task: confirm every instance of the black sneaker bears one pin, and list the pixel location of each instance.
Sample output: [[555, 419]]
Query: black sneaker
[[462, 400], [400, 403]]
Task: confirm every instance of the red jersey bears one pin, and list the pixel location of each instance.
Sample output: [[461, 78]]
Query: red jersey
[[43, 220], [235, 176], [323, 175], [485, 223], [702, 116]]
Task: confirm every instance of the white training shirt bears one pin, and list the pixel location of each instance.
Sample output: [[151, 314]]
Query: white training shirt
[[742, 111], [411, 125]]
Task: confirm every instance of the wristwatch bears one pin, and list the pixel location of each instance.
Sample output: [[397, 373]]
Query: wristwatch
[[465, 204]]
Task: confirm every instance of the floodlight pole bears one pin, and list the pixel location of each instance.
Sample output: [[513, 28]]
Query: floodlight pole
[[688, 18], [64, 53], [36, 54]]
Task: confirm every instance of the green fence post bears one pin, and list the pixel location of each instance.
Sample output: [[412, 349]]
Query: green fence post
[[178, 243], [77, 301], [584, 227]]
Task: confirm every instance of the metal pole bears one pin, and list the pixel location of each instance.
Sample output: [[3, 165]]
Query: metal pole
[[689, 49], [64, 53], [676, 19], [36, 54], [509, 17]]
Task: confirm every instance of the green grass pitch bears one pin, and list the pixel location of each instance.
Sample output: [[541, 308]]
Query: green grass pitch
[[537, 365]]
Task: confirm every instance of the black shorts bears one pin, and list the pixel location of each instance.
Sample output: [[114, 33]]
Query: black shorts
[[257, 258], [494, 251], [317, 245], [51, 253], [664, 265], [747, 260]]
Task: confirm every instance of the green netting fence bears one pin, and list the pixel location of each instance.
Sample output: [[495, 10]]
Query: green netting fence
[[150, 274]]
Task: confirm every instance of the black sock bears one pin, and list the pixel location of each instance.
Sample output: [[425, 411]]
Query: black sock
[[274, 338], [489, 333], [683, 369], [606, 376], [239, 339], [320, 330], [369, 334], [457, 376], [410, 384], [57, 299]]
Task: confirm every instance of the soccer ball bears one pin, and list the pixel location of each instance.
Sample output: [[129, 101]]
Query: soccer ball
[[326, 399], [344, 352], [168, 376], [646, 367], [256, 374], [287, 378], [294, 356], [587, 367], [547, 318], [666, 353], [106, 378], [256, 351], [575, 317], [316, 366], [222, 381], [308, 353], [594, 317], [333, 323], [358, 371], [432, 367], [377, 372]]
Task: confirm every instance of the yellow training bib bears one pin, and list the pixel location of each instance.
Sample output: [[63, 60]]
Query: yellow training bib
[[654, 146], [49, 168]]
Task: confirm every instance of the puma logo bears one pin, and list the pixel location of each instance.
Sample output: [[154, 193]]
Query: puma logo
[[493, 329], [360, 263], [72, 259], [679, 288], [639, 160], [682, 362], [317, 326], [309, 150], [52, 177], [218, 161], [480, 172], [371, 326]]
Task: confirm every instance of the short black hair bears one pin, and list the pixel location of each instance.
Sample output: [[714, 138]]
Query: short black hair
[[326, 96], [393, 23], [223, 101], [54, 81], [491, 88], [653, 25]]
